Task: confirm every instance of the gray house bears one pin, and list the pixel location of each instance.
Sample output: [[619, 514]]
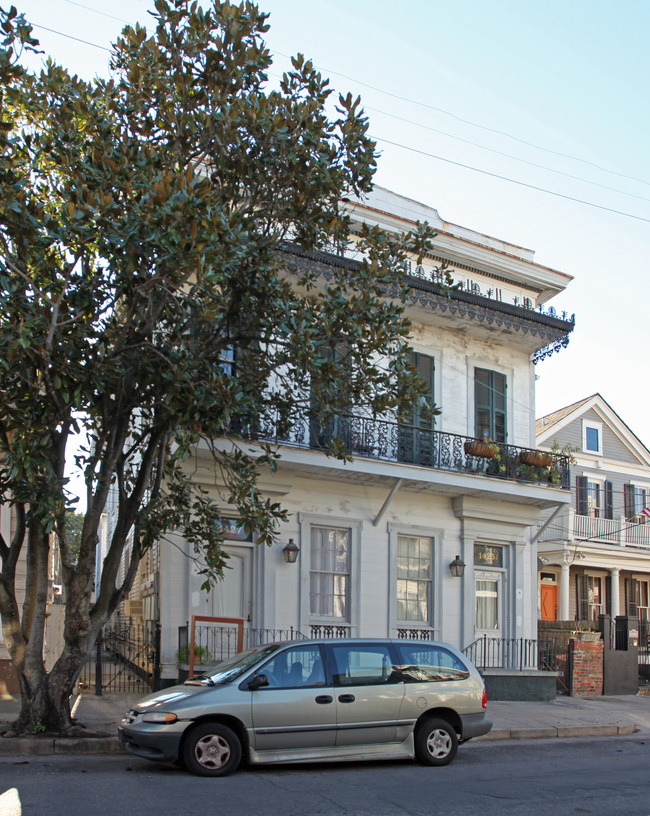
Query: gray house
[[596, 551]]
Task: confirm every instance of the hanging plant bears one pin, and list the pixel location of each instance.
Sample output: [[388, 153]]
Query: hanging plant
[[536, 458]]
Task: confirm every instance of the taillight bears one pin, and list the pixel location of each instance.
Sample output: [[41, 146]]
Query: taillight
[[484, 700]]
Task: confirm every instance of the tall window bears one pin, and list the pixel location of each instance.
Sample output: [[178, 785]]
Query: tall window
[[329, 576], [590, 597], [487, 602], [637, 500], [418, 446], [490, 404], [414, 579], [593, 499]]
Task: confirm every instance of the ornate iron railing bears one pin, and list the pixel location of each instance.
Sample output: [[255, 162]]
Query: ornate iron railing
[[516, 654], [391, 441]]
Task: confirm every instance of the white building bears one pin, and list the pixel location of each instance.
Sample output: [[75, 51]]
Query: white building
[[376, 536]]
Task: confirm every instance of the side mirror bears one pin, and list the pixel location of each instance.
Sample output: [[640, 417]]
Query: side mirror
[[257, 681]]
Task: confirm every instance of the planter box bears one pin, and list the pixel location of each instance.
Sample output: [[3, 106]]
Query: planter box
[[481, 449], [536, 458]]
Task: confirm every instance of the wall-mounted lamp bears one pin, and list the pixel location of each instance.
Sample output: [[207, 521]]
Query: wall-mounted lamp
[[290, 552], [457, 567]]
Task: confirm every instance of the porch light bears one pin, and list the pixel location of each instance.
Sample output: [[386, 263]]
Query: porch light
[[457, 567], [290, 552]]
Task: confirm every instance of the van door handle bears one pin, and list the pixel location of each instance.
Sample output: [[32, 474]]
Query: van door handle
[[346, 698], [323, 699]]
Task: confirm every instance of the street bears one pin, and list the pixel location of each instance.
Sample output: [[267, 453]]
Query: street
[[603, 777]]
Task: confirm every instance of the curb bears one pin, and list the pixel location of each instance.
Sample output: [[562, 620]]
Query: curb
[[36, 746], [560, 732]]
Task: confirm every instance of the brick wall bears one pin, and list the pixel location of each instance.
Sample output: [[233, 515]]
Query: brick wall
[[587, 667]]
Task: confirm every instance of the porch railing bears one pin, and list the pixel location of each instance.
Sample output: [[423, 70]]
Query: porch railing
[[516, 654], [391, 441]]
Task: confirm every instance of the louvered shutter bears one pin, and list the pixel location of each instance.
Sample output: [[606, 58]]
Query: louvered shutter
[[581, 497], [582, 597], [628, 497], [631, 595], [609, 500]]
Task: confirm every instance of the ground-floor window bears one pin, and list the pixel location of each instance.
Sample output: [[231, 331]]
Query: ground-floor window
[[590, 596], [329, 575], [414, 573]]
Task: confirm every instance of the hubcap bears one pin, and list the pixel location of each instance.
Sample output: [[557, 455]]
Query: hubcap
[[212, 751], [439, 743]]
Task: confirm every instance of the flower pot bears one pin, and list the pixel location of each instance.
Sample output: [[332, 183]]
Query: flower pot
[[536, 458], [483, 449]]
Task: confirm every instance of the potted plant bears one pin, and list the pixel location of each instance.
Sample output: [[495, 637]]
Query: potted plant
[[536, 458], [482, 448]]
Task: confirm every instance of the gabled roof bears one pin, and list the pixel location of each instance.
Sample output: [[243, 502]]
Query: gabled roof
[[548, 425]]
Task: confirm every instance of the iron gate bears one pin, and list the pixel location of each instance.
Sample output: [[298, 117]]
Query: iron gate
[[125, 660]]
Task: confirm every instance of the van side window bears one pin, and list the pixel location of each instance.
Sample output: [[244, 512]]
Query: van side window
[[295, 668], [362, 665], [424, 663]]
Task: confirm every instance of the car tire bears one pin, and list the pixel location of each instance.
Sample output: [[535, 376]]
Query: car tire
[[436, 742], [211, 749]]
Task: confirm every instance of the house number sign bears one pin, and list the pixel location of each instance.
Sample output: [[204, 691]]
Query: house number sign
[[488, 556]]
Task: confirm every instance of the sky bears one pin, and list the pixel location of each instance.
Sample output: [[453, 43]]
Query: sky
[[522, 120]]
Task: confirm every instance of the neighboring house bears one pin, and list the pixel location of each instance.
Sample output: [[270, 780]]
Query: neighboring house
[[376, 536], [597, 548]]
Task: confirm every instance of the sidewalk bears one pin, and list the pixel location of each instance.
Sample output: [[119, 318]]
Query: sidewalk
[[564, 717]]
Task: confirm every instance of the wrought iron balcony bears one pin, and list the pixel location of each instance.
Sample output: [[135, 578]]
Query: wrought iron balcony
[[391, 441]]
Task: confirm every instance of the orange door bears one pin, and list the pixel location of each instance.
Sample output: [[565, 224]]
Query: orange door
[[548, 600]]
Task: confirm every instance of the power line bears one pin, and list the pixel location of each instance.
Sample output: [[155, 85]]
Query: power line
[[482, 127], [70, 37], [512, 181], [506, 155]]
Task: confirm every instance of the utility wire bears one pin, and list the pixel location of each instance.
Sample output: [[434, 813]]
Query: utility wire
[[512, 181]]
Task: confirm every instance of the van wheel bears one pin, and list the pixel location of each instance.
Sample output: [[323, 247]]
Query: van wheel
[[212, 749], [436, 742]]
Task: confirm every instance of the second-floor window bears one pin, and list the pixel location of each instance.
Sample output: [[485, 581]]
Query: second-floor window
[[637, 500], [490, 404]]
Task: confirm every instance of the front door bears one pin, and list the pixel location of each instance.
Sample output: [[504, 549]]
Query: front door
[[296, 710], [548, 602], [231, 596], [368, 692]]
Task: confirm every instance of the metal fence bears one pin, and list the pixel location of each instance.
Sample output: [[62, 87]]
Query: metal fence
[[516, 654], [125, 660]]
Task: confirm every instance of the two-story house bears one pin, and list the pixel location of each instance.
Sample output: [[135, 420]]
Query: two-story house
[[597, 549], [424, 533]]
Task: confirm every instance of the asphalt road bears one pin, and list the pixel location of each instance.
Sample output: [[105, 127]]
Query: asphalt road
[[604, 777]]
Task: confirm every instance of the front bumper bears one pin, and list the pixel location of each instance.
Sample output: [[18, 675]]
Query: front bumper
[[160, 744]]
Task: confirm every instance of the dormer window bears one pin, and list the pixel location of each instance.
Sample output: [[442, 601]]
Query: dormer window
[[592, 437]]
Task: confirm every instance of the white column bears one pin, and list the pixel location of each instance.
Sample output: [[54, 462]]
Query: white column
[[564, 593], [615, 599]]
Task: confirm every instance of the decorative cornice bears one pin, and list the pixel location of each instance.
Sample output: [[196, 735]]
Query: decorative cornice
[[553, 331]]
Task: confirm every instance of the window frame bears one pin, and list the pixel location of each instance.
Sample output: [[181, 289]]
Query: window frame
[[306, 619], [493, 411], [588, 425], [436, 536]]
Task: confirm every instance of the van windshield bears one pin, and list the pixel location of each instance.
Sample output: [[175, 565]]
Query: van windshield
[[232, 667]]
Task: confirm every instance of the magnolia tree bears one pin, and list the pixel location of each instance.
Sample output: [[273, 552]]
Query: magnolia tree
[[145, 299]]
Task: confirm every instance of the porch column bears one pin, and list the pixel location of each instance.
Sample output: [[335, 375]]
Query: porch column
[[564, 593], [615, 599]]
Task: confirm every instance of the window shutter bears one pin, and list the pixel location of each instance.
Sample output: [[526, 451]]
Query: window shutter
[[631, 594], [628, 497], [582, 597], [609, 500], [581, 498], [608, 596]]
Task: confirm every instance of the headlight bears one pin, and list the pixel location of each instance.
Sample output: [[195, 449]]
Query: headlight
[[159, 717]]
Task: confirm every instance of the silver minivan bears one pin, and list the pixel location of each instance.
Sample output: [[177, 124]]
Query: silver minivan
[[315, 701]]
